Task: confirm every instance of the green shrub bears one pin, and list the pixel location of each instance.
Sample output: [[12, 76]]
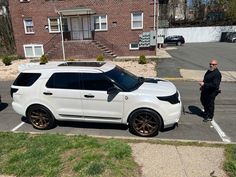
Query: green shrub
[[20, 57], [43, 59], [142, 59], [100, 58], [70, 59], [7, 60]]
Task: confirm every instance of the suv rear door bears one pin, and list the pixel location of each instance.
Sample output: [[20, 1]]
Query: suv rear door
[[63, 94], [97, 104]]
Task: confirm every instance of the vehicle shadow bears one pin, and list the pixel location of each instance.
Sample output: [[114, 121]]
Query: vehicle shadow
[[91, 125], [3, 106], [195, 111]]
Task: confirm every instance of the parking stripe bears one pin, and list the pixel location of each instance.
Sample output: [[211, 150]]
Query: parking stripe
[[223, 136], [18, 126]]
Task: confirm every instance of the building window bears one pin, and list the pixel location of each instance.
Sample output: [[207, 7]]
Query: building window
[[33, 50], [137, 20], [24, 0], [133, 46], [100, 23], [29, 26], [54, 25]]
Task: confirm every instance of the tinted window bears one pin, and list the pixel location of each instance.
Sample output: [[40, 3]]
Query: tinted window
[[64, 81], [124, 79], [26, 79], [92, 81]]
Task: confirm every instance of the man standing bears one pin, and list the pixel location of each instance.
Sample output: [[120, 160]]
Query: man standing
[[209, 90]]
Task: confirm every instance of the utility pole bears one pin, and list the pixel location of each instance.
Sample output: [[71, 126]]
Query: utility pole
[[154, 14], [62, 38], [157, 22]]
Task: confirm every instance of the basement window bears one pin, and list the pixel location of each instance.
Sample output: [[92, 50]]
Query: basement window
[[133, 46], [33, 50]]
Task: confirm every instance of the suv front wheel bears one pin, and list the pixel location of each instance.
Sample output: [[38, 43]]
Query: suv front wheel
[[145, 122], [40, 117]]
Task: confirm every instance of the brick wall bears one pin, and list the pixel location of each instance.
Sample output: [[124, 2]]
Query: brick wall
[[119, 34]]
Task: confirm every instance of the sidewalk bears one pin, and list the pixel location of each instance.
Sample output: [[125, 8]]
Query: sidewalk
[[197, 75], [178, 161]]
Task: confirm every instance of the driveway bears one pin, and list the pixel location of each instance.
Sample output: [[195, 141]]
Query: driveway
[[196, 56]]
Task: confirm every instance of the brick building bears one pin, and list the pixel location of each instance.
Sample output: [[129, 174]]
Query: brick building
[[90, 27]]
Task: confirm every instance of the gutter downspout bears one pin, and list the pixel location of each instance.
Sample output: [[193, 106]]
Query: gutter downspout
[[62, 38]]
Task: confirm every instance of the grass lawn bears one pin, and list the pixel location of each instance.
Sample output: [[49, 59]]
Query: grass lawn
[[230, 164], [25, 155]]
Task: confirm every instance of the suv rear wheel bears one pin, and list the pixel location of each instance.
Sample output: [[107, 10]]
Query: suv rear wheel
[[40, 117], [145, 122]]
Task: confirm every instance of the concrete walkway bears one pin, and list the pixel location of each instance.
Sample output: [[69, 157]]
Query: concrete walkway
[[178, 161], [197, 75]]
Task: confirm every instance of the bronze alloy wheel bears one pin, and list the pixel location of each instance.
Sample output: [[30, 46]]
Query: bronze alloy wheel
[[145, 123], [40, 117]]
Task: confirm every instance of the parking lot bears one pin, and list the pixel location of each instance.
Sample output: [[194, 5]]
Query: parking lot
[[191, 126]]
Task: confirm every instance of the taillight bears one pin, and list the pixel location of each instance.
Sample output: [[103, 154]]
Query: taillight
[[13, 90]]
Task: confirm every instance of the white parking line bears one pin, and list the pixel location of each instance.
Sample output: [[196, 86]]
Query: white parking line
[[223, 136], [18, 126]]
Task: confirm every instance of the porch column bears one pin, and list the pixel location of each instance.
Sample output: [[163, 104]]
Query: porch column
[[62, 38]]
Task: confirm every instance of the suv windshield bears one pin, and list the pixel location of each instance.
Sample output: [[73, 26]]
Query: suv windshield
[[124, 79]]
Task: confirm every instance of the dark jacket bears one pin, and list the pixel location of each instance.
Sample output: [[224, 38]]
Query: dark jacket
[[212, 81]]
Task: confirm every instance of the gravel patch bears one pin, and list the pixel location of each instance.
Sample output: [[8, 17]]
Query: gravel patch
[[146, 70]]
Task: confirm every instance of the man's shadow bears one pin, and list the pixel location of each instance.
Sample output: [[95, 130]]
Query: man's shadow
[[195, 111], [3, 106]]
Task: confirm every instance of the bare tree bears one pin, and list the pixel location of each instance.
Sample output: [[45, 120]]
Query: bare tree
[[6, 33]]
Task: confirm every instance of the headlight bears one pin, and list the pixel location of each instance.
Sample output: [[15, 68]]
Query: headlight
[[173, 99]]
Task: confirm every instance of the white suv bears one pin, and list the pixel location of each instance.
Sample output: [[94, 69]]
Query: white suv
[[95, 92]]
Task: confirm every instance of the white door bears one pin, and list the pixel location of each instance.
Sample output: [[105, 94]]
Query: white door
[[63, 95], [86, 28], [97, 104], [76, 27], [80, 28]]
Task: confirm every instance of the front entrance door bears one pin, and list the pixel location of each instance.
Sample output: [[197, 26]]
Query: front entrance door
[[81, 28]]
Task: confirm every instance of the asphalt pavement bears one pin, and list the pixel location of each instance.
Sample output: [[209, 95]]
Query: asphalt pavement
[[159, 160]]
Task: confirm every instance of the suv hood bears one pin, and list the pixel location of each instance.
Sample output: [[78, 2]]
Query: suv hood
[[157, 87]]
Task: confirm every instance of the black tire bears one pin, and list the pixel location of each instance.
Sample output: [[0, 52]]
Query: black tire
[[234, 41], [145, 123], [178, 43], [40, 117]]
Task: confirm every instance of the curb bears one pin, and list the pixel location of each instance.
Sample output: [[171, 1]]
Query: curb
[[141, 139], [174, 78]]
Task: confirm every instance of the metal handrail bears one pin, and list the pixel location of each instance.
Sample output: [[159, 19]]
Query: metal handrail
[[52, 42]]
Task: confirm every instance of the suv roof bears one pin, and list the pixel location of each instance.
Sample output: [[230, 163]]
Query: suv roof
[[70, 66]]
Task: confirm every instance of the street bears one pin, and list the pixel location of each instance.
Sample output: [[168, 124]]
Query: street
[[191, 125]]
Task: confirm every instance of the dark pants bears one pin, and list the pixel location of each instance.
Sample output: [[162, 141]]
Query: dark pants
[[208, 102]]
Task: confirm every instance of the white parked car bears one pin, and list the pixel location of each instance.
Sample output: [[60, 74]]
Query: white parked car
[[95, 92]]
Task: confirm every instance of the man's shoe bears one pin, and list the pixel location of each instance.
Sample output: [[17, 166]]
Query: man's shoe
[[207, 119]]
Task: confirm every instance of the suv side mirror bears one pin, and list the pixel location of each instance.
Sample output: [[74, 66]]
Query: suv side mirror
[[113, 90]]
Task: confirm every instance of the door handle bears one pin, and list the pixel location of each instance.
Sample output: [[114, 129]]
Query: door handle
[[47, 93], [89, 96]]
